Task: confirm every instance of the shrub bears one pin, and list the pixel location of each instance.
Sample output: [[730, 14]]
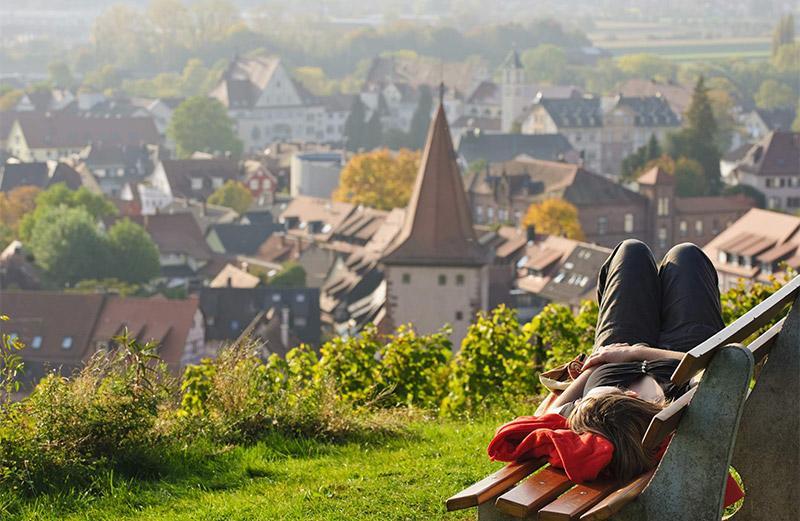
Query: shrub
[[496, 364], [560, 335], [413, 368], [352, 364]]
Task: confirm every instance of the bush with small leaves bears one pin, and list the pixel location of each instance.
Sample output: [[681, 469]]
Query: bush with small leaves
[[352, 365]]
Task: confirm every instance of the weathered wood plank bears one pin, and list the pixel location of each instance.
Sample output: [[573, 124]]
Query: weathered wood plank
[[570, 505], [698, 358], [492, 485], [666, 421], [533, 493]]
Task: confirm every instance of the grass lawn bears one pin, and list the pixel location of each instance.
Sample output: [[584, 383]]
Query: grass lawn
[[403, 478]]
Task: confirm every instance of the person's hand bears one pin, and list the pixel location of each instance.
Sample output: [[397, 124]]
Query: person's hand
[[613, 354]]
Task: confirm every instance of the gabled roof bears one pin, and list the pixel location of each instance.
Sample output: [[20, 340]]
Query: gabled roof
[[650, 111], [67, 130], [656, 176], [423, 70], [438, 223], [778, 118], [242, 239], [512, 60], [175, 233], [678, 96], [180, 173], [493, 148], [39, 174], [777, 154], [244, 79], [573, 112], [234, 277]]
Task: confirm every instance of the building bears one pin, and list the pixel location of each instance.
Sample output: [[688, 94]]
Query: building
[[192, 178], [315, 174], [756, 246], [114, 166], [435, 267], [556, 270], [231, 313], [771, 166], [267, 104], [678, 97], [517, 93], [604, 130], [337, 109], [758, 123], [38, 136], [239, 239], [39, 174], [63, 330], [496, 148]]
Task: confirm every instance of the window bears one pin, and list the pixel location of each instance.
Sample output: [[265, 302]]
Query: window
[[683, 228], [406, 278], [300, 321], [234, 325], [490, 213], [662, 237], [698, 227], [628, 222], [300, 297], [793, 202], [459, 280], [722, 257], [36, 343], [602, 225], [459, 316], [442, 280], [197, 183], [663, 206], [66, 343], [254, 184], [216, 182], [276, 297], [768, 182]]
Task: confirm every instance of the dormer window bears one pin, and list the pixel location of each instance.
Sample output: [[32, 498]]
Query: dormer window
[[36, 343], [197, 183], [216, 182], [66, 342]]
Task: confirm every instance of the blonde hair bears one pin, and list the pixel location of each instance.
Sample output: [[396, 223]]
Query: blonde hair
[[623, 420]]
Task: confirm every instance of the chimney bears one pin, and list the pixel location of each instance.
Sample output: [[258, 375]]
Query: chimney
[[530, 233], [230, 282]]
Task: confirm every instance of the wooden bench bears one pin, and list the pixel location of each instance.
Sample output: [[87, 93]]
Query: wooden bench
[[720, 422]]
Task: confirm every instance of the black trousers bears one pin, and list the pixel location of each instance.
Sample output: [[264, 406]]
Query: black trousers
[[672, 305]]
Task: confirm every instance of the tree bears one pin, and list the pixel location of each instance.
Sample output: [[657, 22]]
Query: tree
[[774, 94], [355, 129], [60, 75], [57, 196], [374, 136], [379, 179], [10, 99], [134, 254], [647, 66], [635, 163], [555, 217], [292, 275], [796, 122], [202, 124], [697, 140], [68, 246], [233, 194], [783, 33], [421, 119], [545, 63]]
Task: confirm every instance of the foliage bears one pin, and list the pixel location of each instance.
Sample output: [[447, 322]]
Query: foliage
[[59, 196], [414, 368], [292, 275], [68, 246], [495, 366], [109, 285], [555, 217], [636, 163], [546, 63], [11, 365], [355, 129], [374, 131], [233, 194], [560, 335], [379, 179], [352, 364], [783, 33], [135, 255], [421, 119], [9, 100], [202, 124], [773, 94], [13, 207], [195, 80], [647, 66], [744, 296], [60, 75]]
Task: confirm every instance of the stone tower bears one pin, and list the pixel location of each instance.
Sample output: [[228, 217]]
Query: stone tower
[[514, 89], [435, 269]]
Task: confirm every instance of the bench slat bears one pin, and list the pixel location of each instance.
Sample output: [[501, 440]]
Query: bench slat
[[761, 346], [666, 421], [533, 493], [577, 500], [492, 485], [698, 358], [614, 502]]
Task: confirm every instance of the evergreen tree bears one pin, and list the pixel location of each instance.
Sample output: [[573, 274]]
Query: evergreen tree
[[700, 115], [653, 148], [783, 33], [374, 136], [421, 119], [355, 128]]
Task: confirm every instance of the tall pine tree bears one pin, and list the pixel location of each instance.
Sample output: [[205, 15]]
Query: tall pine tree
[[421, 119], [374, 136], [355, 131]]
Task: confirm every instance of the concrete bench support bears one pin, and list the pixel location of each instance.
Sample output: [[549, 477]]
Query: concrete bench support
[[767, 453], [690, 479]]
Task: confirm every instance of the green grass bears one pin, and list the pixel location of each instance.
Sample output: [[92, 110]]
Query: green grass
[[402, 478]]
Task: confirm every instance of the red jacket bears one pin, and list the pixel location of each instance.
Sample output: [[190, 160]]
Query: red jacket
[[582, 456]]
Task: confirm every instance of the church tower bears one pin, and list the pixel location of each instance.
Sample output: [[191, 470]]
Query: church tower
[[435, 269], [514, 91]]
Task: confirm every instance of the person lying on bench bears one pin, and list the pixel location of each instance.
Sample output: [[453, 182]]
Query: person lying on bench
[[649, 316]]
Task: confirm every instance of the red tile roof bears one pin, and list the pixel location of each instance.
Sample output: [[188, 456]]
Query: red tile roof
[[438, 223]]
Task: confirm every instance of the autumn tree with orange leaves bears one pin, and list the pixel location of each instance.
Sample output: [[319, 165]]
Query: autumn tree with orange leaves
[[379, 179], [555, 217]]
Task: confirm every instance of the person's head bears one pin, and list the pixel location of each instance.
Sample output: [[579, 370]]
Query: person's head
[[622, 418]]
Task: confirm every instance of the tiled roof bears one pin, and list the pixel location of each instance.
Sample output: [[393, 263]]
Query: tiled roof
[[234, 277], [573, 112], [485, 92], [777, 154], [713, 204], [40, 174], [67, 130], [242, 239], [438, 222], [778, 118], [422, 70], [493, 148], [656, 176], [180, 173], [244, 79], [678, 96], [305, 209], [650, 111], [175, 233]]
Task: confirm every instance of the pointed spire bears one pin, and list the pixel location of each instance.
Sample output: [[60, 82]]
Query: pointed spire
[[438, 224]]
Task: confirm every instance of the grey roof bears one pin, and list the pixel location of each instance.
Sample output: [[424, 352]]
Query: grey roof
[[777, 119], [40, 174], [651, 111], [574, 112], [494, 148], [243, 239], [577, 276]]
